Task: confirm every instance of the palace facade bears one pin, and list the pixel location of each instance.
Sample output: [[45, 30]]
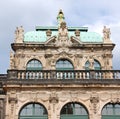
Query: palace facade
[[60, 72]]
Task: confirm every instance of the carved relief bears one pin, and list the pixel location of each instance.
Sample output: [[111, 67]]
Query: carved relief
[[63, 39], [53, 99], [107, 60], [2, 108], [91, 61], [12, 60], [77, 33], [115, 98], [94, 99], [48, 33], [12, 101]]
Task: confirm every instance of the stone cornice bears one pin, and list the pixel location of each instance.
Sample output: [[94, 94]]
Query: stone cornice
[[16, 46]]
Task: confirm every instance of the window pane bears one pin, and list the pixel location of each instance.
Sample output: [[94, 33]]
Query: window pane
[[74, 109], [39, 110], [33, 111], [27, 110], [111, 109], [64, 64], [34, 65]]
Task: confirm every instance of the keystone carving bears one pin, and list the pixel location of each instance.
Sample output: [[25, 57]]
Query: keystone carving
[[94, 103], [53, 98]]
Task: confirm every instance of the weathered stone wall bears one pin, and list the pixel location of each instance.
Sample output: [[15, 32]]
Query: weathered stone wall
[[49, 56], [54, 98]]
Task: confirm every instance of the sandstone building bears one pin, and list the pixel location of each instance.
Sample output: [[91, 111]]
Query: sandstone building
[[60, 72]]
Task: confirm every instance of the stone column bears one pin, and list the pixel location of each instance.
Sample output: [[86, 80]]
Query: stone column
[[12, 103], [94, 106], [53, 99]]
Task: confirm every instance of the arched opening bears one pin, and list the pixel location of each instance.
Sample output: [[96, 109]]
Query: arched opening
[[33, 111], [111, 111], [64, 67], [34, 65], [73, 111], [96, 65], [64, 64]]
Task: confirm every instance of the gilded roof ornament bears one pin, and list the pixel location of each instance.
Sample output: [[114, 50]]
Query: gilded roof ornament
[[60, 17]]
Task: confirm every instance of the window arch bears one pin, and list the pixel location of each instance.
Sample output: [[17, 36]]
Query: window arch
[[96, 65], [73, 111], [111, 111], [34, 65], [64, 64], [33, 111]]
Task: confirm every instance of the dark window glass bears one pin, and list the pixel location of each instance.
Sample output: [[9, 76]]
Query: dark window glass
[[64, 64], [33, 111], [73, 109], [111, 109], [34, 65]]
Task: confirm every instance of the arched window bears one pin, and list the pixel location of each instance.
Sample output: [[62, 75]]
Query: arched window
[[111, 111], [96, 65], [33, 111], [73, 111], [64, 64], [34, 65]]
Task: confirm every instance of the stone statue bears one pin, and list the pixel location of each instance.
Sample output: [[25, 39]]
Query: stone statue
[[63, 30], [63, 35], [106, 33], [91, 61], [19, 34]]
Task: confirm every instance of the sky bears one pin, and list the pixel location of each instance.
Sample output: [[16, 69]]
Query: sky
[[93, 14]]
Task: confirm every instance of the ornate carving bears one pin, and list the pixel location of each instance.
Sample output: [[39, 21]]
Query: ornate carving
[[12, 60], [53, 98], [63, 39], [94, 99], [11, 99], [63, 30], [2, 108], [48, 53], [94, 103], [48, 33], [91, 61], [77, 32], [115, 98], [12, 102]]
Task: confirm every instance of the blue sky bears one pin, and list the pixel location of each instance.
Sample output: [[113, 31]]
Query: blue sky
[[30, 13]]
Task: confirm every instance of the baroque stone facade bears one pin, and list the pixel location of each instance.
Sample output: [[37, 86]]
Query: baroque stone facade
[[70, 45]]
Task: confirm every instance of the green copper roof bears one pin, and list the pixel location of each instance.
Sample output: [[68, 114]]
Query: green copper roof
[[90, 37], [35, 36], [40, 36]]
